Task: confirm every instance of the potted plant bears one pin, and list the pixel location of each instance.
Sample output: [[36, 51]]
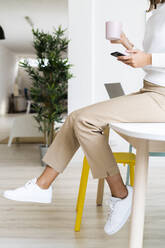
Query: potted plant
[[49, 80]]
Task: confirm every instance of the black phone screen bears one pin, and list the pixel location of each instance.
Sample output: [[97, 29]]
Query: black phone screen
[[116, 54]]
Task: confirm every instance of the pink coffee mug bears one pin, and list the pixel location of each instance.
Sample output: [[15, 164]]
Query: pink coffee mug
[[113, 30]]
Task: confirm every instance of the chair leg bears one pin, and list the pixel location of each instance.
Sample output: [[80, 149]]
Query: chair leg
[[128, 168], [100, 192], [132, 172], [128, 173], [83, 175], [81, 182], [81, 196], [10, 141], [130, 148]]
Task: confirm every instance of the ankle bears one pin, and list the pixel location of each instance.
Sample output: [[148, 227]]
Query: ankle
[[121, 195], [42, 184]]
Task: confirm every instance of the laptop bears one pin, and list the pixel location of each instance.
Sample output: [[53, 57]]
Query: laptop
[[114, 89]]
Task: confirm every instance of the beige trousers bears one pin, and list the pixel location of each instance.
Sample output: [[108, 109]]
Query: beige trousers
[[85, 127]]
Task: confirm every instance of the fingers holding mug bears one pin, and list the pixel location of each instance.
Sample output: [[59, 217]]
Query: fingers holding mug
[[114, 31]]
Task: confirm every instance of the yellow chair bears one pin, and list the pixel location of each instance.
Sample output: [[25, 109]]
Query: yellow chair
[[122, 158]]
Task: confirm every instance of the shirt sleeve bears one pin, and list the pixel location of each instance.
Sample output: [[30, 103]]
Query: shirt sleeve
[[158, 59]]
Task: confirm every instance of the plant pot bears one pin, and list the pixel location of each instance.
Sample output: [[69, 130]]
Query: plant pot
[[43, 150]]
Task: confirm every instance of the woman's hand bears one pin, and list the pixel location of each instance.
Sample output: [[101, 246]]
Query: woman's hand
[[137, 58], [119, 41], [123, 40]]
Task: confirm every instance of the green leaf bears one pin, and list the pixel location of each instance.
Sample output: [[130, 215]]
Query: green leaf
[[49, 81]]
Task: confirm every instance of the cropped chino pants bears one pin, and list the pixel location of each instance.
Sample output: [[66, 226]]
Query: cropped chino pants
[[85, 127]]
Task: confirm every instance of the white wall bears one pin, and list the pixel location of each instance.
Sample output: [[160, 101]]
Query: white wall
[[80, 88], [45, 14], [107, 68], [8, 71], [89, 51]]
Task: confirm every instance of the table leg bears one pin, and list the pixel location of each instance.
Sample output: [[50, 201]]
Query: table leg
[[138, 207]]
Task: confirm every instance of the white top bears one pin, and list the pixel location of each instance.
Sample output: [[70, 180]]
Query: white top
[[148, 131], [154, 43]]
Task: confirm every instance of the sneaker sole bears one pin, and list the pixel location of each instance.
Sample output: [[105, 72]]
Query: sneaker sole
[[25, 200]]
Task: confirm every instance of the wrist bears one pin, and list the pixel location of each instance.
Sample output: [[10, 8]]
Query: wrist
[[149, 59], [127, 44]]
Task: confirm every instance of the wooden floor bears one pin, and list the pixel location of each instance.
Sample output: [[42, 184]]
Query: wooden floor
[[52, 226]]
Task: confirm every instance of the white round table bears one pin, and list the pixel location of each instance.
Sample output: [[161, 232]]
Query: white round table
[[145, 137]]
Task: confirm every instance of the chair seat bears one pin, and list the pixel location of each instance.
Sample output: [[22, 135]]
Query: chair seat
[[124, 157]]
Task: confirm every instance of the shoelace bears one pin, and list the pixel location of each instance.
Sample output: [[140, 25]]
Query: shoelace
[[111, 206], [30, 183]]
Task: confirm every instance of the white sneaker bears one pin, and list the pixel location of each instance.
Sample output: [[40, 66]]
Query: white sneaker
[[31, 192], [119, 212]]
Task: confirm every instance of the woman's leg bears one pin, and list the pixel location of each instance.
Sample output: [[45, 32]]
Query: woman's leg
[[66, 132], [85, 127], [117, 186], [115, 182], [47, 177], [62, 150], [88, 124]]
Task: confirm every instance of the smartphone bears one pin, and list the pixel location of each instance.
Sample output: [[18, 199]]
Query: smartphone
[[116, 54]]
